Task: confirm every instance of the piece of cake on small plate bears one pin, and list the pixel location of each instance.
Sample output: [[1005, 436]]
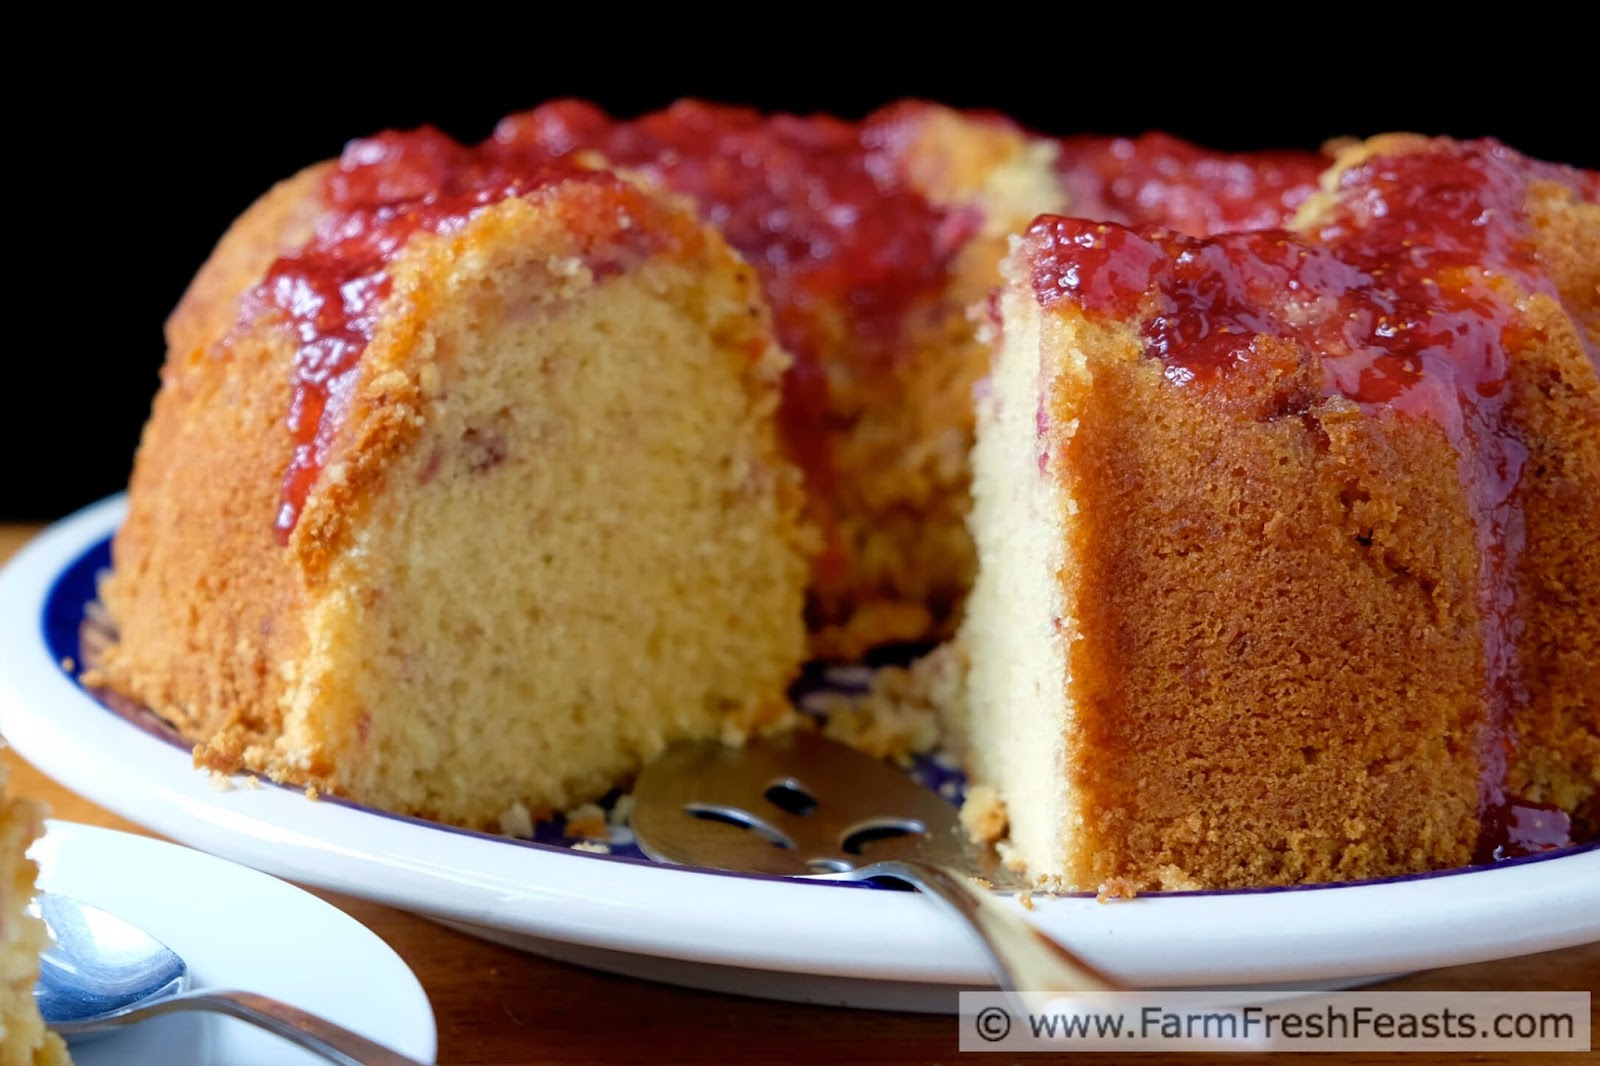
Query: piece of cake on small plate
[[24, 1041]]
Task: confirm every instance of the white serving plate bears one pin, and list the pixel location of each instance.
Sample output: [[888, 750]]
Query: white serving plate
[[810, 940], [240, 929]]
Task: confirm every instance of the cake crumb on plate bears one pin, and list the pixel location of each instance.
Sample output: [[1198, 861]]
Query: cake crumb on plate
[[587, 821]]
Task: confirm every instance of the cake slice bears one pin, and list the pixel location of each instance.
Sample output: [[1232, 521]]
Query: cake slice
[[24, 1041], [1284, 571], [463, 493]]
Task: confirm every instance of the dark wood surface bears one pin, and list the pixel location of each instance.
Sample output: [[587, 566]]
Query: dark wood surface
[[497, 1006]]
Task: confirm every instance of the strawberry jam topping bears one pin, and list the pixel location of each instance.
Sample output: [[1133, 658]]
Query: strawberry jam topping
[[1159, 180], [816, 204], [1405, 294], [385, 190]]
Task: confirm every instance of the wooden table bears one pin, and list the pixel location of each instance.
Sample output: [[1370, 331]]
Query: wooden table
[[495, 1005]]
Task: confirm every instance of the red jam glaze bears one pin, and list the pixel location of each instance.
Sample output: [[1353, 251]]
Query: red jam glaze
[[385, 189], [1159, 180], [818, 205], [1404, 294]]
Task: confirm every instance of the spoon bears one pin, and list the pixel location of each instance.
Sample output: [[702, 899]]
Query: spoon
[[102, 973], [802, 805]]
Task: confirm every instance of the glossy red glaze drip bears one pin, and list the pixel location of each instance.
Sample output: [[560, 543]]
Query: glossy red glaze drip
[[1404, 295], [1159, 180], [816, 204], [385, 189]]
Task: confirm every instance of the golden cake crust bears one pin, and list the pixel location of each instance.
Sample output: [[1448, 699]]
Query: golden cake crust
[[1291, 648], [1555, 408], [1253, 716]]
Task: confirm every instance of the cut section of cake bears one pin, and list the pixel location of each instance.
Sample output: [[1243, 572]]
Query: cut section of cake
[[463, 493], [873, 240], [1286, 538], [24, 1041]]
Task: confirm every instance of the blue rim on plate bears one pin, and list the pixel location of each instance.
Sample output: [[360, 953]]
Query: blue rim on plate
[[76, 586]]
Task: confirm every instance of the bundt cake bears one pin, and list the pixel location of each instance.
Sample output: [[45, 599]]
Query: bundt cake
[[1287, 539], [479, 474], [463, 491], [24, 1041]]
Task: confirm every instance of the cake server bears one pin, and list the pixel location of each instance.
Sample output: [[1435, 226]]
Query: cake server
[[801, 805], [102, 973]]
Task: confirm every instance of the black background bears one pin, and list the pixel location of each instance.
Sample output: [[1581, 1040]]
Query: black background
[[128, 163]]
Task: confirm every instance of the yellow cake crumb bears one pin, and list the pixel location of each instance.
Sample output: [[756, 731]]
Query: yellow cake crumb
[[594, 847], [516, 821], [759, 719], [1012, 860], [881, 729], [900, 714], [1117, 888], [983, 815], [588, 821]]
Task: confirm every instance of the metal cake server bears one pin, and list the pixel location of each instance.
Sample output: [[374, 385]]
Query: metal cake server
[[802, 805], [103, 973]]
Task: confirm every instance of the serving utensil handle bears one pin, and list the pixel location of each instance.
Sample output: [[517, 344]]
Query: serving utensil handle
[[318, 1035], [1022, 958]]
